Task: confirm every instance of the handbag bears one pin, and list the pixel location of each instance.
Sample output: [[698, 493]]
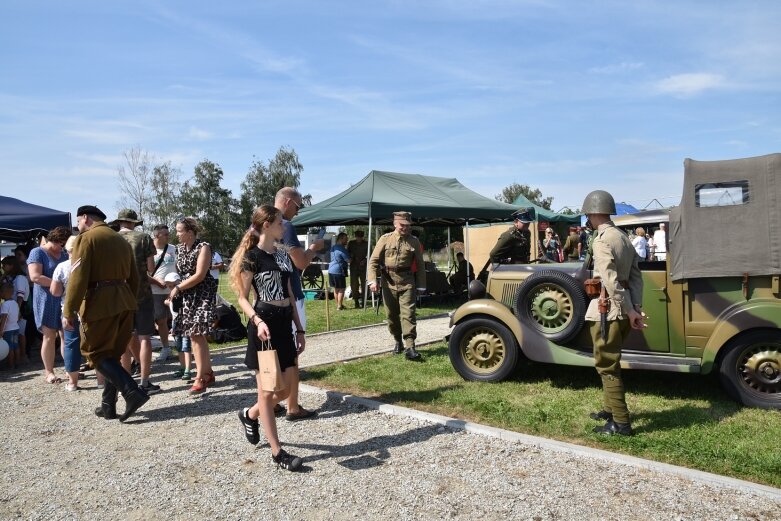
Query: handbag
[[270, 372]]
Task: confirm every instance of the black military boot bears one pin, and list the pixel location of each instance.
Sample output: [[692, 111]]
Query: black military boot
[[398, 348], [108, 403], [412, 354], [134, 396], [601, 415], [611, 428]]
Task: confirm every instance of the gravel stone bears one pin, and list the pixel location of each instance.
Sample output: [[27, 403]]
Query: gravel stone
[[182, 458]]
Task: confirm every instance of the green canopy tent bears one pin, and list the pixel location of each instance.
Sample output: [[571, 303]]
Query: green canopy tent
[[547, 215], [438, 201], [432, 200]]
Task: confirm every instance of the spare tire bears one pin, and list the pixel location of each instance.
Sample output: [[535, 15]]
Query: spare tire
[[552, 303]]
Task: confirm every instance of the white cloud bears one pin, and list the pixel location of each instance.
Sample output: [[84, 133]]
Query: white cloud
[[689, 84], [616, 68], [199, 134]]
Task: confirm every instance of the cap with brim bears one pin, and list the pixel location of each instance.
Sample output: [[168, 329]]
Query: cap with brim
[[403, 217], [525, 215], [92, 210], [172, 277], [130, 216]]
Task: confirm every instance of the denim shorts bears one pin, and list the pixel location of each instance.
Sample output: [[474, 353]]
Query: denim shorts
[[12, 339], [183, 344]]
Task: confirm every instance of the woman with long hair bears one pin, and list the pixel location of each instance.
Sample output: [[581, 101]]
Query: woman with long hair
[[199, 291], [264, 268], [46, 307]]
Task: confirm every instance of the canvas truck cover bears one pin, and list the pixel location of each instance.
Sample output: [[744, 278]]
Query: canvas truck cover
[[729, 219]]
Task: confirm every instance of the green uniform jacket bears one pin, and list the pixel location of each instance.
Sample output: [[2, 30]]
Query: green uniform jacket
[[357, 251], [615, 259], [571, 246], [513, 244], [101, 254], [396, 252]]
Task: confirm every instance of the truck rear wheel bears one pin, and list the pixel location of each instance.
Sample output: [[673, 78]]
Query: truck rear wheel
[[750, 371], [484, 350]]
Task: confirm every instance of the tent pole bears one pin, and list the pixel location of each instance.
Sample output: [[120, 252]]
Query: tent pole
[[466, 247], [449, 253], [368, 256]]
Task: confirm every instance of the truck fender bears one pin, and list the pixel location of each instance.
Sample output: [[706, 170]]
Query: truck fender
[[737, 320]]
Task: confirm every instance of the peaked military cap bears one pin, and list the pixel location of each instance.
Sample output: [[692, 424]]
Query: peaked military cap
[[403, 217], [92, 210], [525, 215]]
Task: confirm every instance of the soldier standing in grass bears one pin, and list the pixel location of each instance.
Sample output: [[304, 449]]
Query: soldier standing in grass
[[393, 257], [616, 311]]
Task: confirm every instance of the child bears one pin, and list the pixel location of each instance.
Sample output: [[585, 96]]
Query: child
[[182, 342], [9, 323]]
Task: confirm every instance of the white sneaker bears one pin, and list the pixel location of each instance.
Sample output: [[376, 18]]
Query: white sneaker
[[164, 355]]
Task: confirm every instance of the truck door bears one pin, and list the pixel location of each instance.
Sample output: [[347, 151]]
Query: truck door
[[655, 337]]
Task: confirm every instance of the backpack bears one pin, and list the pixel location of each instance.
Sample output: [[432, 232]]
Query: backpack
[[228, 326]]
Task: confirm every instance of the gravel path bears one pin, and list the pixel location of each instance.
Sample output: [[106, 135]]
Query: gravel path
[[185, 458]]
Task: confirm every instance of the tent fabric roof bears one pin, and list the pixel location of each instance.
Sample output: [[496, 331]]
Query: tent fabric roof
[[432, 200], [20, 221], [544, 214]]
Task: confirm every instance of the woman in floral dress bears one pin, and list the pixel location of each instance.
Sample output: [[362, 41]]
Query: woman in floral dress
[[198, 290]]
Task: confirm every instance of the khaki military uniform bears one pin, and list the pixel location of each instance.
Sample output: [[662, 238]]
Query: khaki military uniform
[[102, 290], [571, 246], [615, 261], [357, 251], [514, 244], [392, 257]]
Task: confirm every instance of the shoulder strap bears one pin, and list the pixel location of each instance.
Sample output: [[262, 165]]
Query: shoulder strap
[[162, 256]]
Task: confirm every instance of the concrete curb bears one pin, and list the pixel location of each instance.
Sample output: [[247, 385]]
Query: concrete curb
[[558, 446]]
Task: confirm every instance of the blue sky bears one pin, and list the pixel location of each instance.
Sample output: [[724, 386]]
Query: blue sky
[[563, 96]]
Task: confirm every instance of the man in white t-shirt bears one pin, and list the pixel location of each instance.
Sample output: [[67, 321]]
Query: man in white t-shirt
[[660, 240], [165, 263], [216, 267]]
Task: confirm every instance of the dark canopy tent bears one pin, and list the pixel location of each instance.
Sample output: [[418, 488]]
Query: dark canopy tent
[[546, 215], [21, 221], [432, 200]]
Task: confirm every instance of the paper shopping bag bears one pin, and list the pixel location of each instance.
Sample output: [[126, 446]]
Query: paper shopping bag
[[270, 372]]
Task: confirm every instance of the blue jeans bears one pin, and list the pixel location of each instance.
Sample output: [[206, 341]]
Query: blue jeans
[[183, 344], [72, 354]]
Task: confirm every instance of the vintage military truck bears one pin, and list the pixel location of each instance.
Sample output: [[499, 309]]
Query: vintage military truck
[[714, 304]]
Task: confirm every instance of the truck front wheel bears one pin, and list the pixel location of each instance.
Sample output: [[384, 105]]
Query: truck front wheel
[[483, 349], [750, 371]]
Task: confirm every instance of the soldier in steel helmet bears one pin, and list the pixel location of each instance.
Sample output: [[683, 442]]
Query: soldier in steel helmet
[[514, 245], [393, 257], [616, 311]]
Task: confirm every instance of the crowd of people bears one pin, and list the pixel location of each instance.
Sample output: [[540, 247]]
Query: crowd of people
[[104, 293]]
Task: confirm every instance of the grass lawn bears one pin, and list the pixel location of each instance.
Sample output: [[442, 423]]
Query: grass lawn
[[680, 419], [337, 320]]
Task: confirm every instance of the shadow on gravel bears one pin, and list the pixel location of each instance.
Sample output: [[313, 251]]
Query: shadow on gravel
[[370, 452]]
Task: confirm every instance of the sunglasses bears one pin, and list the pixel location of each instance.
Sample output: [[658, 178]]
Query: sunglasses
[[298, 206]]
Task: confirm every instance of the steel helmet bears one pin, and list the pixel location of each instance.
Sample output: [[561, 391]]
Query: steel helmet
[[599, 201]]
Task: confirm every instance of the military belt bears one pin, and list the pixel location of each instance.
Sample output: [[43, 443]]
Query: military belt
[[106, 283], [398, 269]]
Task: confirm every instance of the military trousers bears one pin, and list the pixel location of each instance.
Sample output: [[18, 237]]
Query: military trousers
[[357, 281], [400, 310], [106, 338], [607, 360]]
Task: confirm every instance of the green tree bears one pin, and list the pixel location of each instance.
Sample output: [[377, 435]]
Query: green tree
[[165, 188], [214, 206], [511, 193], [263, 181]]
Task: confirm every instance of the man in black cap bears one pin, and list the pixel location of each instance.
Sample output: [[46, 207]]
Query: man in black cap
[[514, 245], [102, 289]]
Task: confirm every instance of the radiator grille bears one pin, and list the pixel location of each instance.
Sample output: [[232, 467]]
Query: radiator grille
[[508, 293]]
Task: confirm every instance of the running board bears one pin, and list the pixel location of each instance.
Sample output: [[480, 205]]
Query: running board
[[675, 364]]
